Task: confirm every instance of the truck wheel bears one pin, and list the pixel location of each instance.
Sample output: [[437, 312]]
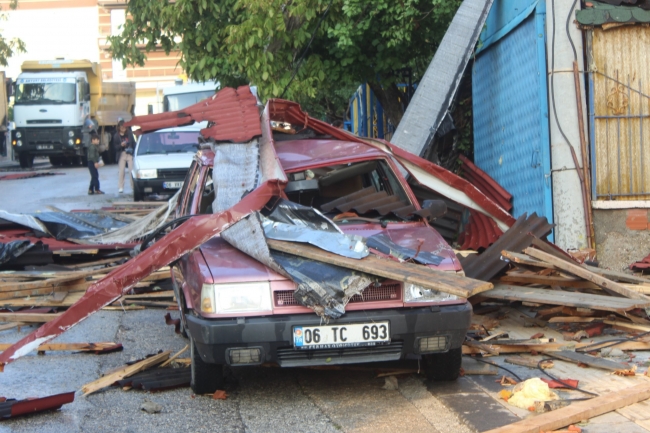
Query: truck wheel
[[26, 160], [206, 378], [444, 367], [84, 160], [56, 161]]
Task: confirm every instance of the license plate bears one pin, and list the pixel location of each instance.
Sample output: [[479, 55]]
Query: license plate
[[337, 336], [44, 146], [172, 185]]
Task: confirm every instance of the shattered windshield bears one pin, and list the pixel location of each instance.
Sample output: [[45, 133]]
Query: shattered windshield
[[367, 191], [45, 93], [168, 142]]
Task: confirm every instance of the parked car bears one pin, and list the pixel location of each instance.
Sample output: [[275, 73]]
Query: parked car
[[162, 159], [251, 316]]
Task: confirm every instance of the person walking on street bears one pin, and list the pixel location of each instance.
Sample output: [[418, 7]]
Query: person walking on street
[[124, 143], [94, 164]]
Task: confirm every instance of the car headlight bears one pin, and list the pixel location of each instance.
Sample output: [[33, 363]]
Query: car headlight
[[70, 133], [19, 134], [236, 298], [415, 293], [147, 174], [70, 142]]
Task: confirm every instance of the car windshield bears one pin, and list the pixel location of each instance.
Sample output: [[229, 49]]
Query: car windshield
[[168, 142], [367, 190], [45, 93]]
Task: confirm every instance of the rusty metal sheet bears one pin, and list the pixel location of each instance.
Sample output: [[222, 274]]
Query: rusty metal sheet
[[10, 408], [233, 113], [488, 264], [174, 245]]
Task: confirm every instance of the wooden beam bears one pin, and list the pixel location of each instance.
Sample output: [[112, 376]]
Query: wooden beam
[[447, 282], [583, 358], [28, 318], [616, 275], [547, 280], [628, 327], [504, 347], [586, 274], [571, 299], [126, 371], [579, 411], [12, 325], [524, 259]]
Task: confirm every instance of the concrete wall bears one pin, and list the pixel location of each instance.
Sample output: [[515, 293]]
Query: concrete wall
[[622, 236]]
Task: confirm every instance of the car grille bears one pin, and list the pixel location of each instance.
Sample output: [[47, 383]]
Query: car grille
[[172, 173], [289, 357], [384, 292]]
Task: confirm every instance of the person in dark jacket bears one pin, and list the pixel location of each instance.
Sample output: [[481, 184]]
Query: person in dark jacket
[[93, 165], [124, 143]]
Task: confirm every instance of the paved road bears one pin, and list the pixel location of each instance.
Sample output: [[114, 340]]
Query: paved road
[[260, 400]]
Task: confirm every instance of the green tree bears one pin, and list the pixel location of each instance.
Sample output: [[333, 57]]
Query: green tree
[[312, 51], [9, 47]]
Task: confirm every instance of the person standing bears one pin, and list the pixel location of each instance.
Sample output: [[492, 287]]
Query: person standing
[[124, 143], [93, 165]]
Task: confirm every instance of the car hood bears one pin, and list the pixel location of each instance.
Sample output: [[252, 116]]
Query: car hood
[[161, 161], [229, 265]]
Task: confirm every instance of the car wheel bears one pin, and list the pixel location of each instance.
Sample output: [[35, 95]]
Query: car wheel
[[444, 367], [137, 194], [206, 378], [55, 161], [180, 300], [26, 160]]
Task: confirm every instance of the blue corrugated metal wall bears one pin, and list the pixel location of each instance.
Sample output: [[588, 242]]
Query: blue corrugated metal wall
[[511, 137], [367, 118]]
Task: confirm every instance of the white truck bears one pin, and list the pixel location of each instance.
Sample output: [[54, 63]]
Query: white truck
[[181, 96], [53, 101]]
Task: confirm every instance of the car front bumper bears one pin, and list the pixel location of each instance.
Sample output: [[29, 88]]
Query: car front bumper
[[273, 335], [155, 186]]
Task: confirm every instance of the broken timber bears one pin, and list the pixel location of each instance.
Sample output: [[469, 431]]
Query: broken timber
[[501, 348], [579, 411], [572, 299], [407, 272], [74, 347], [586, 274], [592, 361]]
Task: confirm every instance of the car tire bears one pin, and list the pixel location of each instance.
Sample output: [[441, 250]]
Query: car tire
[[180, 300], [137, 194], [55, 161], [205, 378], [26, 160], [444, 367]]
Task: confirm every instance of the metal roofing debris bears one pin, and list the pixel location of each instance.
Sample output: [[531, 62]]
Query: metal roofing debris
[[11, 250], [17, 176], [233, 115], [488, 264], [11, 407], [369, 199], [173, 246], [382, 243], [485, 183], [617, 11], [158, 379], [642, 264], [438, 86]]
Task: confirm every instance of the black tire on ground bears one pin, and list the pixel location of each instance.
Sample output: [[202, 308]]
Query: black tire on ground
[[55, 161], [444, 367], [26, 160], [84, 160], [180, 300], [137, 194], [206, 378]]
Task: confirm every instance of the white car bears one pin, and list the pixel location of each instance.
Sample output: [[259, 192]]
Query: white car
[[162, 159]]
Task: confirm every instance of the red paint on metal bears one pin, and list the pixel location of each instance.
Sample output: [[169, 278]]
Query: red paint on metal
[[190, 235], [16, 176], [233, 115], [485, 183], [642, 264], [290, 112], [33, 405]]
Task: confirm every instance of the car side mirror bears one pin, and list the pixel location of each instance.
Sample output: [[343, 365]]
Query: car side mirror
[[432, 209]]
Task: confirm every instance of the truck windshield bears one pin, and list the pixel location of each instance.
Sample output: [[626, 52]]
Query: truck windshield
[[46, 93], [183, 100], [168, 142]]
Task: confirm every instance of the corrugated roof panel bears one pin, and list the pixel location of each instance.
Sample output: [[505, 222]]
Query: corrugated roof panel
[[233, 115]]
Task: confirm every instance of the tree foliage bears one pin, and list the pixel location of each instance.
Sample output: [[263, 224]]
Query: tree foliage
[[9, 47], [262, 42]]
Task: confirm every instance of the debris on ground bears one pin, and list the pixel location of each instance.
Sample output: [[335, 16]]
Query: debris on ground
[[390, 383], [151, 407], [10, 408]]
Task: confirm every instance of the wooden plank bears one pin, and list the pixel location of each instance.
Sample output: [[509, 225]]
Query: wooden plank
[[572, 299], [27, 317], [69, 347], [578, 411], [527, 348], [81, 287], [592, 361], [158, 294], [96, 263], [51, 282], [641, 288], [44, 301], [64, 253], [573, 319], [529, 362], [176, 355], [126, 371], [629, 327], [547, 280], [12, 325], [524, 259], [586, 274], [447, 282], [616, 275]]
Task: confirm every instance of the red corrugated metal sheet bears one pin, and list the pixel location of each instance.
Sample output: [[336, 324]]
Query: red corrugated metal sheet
[[233, 116], [642, 265], [16, 176], [12, 408], [480, 231]]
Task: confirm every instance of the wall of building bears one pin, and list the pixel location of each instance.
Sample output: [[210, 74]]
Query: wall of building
[[622, 236]]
